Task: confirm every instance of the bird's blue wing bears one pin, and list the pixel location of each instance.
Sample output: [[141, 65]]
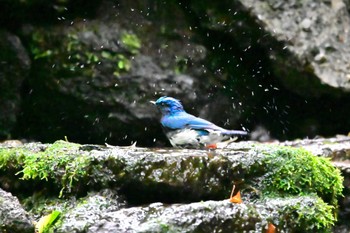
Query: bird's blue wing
[[178, 121], [199, 123], [203, 127], [185, 120]]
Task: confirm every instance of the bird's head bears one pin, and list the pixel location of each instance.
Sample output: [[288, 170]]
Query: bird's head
[[168, 105]]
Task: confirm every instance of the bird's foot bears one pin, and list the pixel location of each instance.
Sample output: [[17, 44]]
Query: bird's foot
[[211, 146]]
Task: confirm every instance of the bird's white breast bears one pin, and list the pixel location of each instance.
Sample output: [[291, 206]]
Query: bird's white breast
[[191, 138], [183, 137]]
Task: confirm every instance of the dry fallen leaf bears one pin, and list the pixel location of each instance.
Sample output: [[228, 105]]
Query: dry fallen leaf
[[236, 198]]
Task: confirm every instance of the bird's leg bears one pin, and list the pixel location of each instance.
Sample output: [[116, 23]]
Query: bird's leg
[[220, 145], [224, 144]]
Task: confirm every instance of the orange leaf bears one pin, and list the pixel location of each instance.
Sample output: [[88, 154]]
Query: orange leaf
[[271, 228], [236, 198]]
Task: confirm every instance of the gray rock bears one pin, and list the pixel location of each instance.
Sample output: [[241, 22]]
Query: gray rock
[[336, 148], [205, 216], [89, 210], [315, 43], [13, 218]]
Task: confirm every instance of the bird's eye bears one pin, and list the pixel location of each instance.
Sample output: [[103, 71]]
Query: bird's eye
[[163, 104]]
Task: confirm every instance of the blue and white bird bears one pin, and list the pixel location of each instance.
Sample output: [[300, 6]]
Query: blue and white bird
[[187, 131]]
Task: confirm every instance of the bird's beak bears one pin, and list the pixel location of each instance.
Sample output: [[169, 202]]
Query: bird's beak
[[153, 102]]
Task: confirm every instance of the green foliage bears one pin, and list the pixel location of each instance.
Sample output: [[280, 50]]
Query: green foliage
[[122, 62], [45, 223], [37, 46], [81, 58], [131, 42], [72, 57], [295, 171]]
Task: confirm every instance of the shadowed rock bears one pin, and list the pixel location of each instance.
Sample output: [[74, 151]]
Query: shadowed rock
[[14, 67]]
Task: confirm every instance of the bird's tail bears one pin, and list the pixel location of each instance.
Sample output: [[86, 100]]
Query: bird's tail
[[236, 133]]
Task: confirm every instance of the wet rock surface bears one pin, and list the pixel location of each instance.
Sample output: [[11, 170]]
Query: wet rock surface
[[136, 189], [13, 218], [205, 216]]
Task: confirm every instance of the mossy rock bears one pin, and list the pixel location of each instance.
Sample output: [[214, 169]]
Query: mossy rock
[[145, 176], [102, 211], [295, 171], [280, 170]]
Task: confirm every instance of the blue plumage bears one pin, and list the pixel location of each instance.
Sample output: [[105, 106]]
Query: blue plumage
[[185, 130]]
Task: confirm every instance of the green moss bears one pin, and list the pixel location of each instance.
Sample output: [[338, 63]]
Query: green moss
[[321, 217], [302, 214], [315, 215], [11, 158], [295, 171], [65, 166], [58, 164]]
